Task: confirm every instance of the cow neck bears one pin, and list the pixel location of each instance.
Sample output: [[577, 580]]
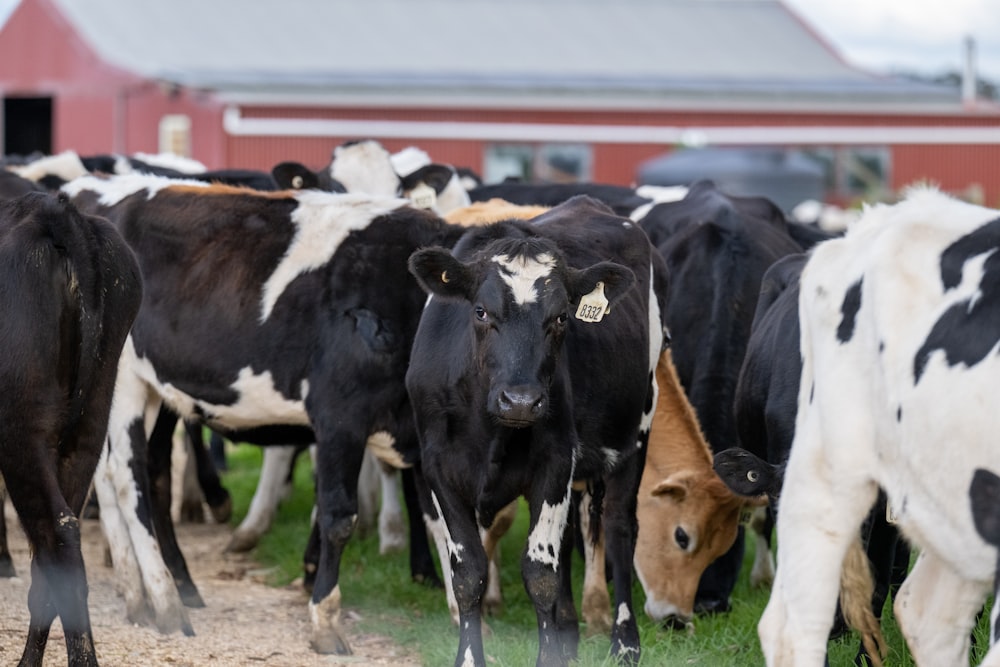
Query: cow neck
[[675, 423]]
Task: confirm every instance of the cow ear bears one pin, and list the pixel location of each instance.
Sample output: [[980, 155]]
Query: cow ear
[[438, 272], [294, 176], [437, 176], [676, 486], [617, 279]]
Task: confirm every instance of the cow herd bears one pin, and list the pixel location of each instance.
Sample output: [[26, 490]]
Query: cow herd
[[643, 367]]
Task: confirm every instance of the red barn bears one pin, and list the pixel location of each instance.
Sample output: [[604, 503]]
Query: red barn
[[549, 89]]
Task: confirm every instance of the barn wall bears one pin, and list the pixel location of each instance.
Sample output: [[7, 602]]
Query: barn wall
[[956, 168]]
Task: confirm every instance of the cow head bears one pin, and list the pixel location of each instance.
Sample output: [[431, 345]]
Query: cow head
[[686, 521], [520, 296]]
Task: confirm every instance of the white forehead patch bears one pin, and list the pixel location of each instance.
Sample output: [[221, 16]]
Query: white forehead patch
[[322, 221], [521, 273], [365, 167]]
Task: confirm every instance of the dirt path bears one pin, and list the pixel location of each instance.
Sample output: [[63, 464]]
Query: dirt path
[[245, 622]]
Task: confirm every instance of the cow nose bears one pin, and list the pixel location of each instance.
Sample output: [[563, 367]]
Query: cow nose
[[521, 404]]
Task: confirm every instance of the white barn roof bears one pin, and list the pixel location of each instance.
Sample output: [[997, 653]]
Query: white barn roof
[[688, 49]]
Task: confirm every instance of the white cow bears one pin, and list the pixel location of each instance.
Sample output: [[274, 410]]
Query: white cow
[[900, 328]]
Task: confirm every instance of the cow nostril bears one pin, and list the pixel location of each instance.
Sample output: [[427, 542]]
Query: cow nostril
[[677, 623]]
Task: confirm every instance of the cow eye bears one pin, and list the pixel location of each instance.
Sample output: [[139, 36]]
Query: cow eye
[[561, 319], [481, 314], [753, 475], [681, 538]]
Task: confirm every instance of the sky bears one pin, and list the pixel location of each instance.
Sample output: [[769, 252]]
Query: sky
[[920, 36]]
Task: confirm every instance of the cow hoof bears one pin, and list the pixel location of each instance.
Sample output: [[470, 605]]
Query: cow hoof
[[598, 626], [170, 622], [330, 643], [7, 567], [190, 596], [223, 511], [492, 606], [241, 542]]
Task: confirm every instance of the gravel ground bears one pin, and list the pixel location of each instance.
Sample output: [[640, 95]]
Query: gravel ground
[[246, 622]]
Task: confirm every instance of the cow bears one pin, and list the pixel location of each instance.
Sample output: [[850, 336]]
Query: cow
[[716, 248], [765, 409], [514, 394], [621, 199], [71, 291], [285, 316], [898, 340]]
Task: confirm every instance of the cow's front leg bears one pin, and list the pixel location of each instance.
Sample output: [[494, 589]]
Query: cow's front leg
[[338, 464], [543, 567]]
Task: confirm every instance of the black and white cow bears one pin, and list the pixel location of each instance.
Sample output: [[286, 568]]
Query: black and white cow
[[717, 248], [71, 289], [624, 201], [984, 499], [766, 407], [532, 369], [264, 312], [899, 339]]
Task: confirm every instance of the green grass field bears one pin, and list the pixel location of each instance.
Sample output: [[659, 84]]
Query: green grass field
[[378, 588]]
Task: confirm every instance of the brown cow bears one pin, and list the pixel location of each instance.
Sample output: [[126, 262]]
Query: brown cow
[[687, 516]]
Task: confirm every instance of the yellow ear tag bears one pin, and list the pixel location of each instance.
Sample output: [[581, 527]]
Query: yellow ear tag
[[423, 196], [593, 306]]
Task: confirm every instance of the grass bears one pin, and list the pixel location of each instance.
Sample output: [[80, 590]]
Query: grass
[[378, 588]]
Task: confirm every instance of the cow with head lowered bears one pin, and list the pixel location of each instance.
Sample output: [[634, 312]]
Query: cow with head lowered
[[900, 324], [264, 313], [532, 369]]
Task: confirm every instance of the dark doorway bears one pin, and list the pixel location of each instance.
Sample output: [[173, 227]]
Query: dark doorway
[[27, 125]]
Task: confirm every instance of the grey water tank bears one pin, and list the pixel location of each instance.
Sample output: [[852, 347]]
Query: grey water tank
[[785, 176]]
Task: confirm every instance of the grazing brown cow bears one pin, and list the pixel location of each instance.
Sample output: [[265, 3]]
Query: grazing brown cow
[[687, 516]]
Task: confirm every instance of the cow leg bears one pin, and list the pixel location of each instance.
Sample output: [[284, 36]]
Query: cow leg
[[160, 446], [620, 532], [493, 599], [463, 551], [391, 535], [6, 563], [596, 600], [549, 502], [338, 463], [822, 508], [422, 568], [122, 484], [369, 487], [762, 525], [936, 610], [191, 502], [272, 488], [58, 584], [216, 495]]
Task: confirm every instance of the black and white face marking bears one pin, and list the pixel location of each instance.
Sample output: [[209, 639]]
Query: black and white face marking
[[521, 274]]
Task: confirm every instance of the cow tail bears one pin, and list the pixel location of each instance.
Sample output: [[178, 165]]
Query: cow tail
[[856, 588]]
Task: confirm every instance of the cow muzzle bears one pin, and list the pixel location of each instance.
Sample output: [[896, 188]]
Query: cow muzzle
[[520, 406]]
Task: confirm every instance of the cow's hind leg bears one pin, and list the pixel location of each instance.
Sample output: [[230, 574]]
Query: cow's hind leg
[[338, 464], [936, 610], [272, 488], [620, 532], [821, 513], [58, 581]]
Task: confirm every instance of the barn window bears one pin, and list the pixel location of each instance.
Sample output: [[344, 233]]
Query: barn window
[[538, 163], [175, 134]]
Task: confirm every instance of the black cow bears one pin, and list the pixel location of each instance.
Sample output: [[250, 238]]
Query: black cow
[[284, 316], [765, 409], [71, 289], [622, 200], [717, 248], [514, 394]]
